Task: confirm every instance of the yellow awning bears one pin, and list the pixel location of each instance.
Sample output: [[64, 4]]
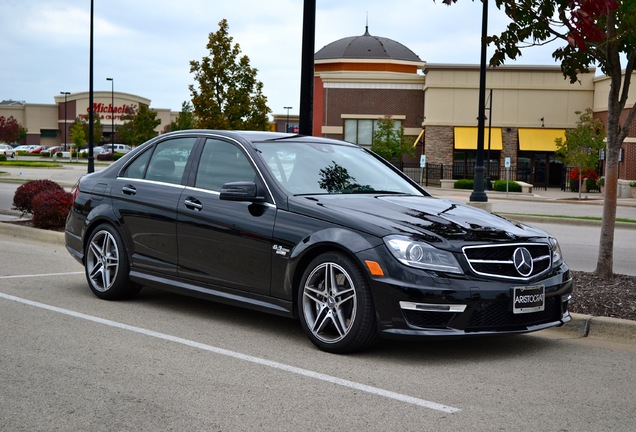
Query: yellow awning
[[466, 138], [539, 139]]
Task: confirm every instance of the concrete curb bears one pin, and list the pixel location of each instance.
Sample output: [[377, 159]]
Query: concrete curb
[[600, 327], [30, 233]]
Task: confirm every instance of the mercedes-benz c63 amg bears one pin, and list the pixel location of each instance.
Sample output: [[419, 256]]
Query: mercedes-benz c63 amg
[[317, 229]]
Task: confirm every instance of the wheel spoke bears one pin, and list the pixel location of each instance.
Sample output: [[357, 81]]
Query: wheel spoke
[[329, 302], [102, 261]]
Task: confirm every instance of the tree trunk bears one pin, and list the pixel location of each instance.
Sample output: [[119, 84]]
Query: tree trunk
[[605, 262]]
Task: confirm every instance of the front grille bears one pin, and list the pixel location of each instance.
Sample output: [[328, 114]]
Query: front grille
[[428, 319], [497, 260], [497, 315], [487, 316]]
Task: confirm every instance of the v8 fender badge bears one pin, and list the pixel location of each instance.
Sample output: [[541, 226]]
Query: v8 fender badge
[[280, 250]]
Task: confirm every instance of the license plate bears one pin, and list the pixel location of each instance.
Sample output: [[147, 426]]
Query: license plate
[[528, 299]]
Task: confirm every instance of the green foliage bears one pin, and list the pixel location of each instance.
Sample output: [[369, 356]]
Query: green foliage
[[98, 129], [139, 126], [50, 208], [24, 195], [3, 158], [389, 141], [184, 121], [227, 94], [582, 144], [464, 184], [500, 186], [77, 134]]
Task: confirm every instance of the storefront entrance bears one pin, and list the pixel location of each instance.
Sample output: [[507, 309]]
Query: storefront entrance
[[540, 169]]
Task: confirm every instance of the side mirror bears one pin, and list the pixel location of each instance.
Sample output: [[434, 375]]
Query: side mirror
[[241, 191]]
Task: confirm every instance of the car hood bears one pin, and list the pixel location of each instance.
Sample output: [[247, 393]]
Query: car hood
[[431, 219]]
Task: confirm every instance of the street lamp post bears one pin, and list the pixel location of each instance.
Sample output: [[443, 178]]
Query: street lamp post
[[65, 116], [287, 122], [478, 194], [91, 108], [112, 115]]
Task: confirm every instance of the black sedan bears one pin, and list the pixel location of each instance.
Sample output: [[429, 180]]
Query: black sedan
[[313, 228]]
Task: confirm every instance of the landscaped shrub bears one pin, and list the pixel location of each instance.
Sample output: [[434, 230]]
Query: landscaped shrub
[[3, 158], [500, 186], [464, 184], [23, 198], [50, 208]]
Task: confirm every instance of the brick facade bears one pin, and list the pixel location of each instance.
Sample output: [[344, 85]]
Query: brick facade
[[365, 101]]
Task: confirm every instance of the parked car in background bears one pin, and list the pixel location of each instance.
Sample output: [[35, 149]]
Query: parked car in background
[[96, 150], [26, 148], [119, 148], [317, 229], [54, 150], [8, 151]]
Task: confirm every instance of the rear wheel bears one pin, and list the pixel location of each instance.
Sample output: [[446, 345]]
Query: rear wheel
[[106, 265], [335, 305]]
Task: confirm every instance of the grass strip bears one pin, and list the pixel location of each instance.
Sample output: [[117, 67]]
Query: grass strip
[[592, 218]]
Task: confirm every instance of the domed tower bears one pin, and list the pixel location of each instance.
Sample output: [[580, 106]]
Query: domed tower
[[360, 79]]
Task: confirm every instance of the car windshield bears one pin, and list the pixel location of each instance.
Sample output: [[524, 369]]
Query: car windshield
[[310, 168]]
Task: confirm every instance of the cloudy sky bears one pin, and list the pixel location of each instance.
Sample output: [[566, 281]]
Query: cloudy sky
[[146, 45]]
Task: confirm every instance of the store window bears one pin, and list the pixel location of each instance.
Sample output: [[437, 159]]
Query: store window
[[360, 131]]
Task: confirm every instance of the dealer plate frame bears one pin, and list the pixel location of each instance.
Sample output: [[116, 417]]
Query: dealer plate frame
[[528, 307]]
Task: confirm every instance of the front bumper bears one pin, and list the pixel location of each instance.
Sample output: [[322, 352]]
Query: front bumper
[[423, 304]]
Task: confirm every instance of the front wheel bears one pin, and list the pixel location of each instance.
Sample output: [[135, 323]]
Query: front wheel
[[106, 265], [335, 305]]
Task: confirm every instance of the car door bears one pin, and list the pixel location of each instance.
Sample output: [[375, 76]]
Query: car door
[[224, 243], [145, 198]]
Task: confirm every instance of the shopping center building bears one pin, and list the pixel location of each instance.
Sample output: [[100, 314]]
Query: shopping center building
[[48, 124], [359, 80]]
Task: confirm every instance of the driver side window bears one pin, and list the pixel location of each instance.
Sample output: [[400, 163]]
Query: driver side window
[[222, 162]]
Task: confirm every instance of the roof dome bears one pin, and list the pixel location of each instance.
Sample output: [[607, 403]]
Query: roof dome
[[366, 47]]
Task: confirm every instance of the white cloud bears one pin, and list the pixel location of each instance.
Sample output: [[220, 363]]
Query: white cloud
[[147, 46]]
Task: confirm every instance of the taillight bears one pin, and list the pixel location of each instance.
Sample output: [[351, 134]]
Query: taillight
[[75, 190]]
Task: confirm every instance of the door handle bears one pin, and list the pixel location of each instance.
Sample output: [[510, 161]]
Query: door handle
[[193, 204], [129, 190]]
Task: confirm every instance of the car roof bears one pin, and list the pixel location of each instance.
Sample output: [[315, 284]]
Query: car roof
[[264, 136]]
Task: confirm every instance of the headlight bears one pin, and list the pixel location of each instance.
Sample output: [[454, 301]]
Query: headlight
[[422, 255], [557, 257]]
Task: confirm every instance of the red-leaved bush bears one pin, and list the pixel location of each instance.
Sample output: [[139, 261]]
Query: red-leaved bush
[[24, 195], [50, 208]]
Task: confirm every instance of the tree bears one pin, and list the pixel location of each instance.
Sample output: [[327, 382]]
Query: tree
[[184, 121], [582, 144], [228, 95], [388, 140], [98, 128], [139, 125], [594, 32], [10, 130], [77, 134]]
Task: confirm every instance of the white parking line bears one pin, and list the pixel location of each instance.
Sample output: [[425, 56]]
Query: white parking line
[[40, 275], [257, 360]]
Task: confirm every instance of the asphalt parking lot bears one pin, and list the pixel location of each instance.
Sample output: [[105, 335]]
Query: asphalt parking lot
[[166, 362]]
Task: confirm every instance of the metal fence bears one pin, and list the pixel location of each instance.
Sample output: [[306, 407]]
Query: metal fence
[[433, 174]]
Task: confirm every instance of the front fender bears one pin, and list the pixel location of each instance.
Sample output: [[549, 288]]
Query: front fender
[[329, 239]]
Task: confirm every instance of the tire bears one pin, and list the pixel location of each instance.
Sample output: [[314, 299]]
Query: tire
[[335, 306], [106, 265]]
